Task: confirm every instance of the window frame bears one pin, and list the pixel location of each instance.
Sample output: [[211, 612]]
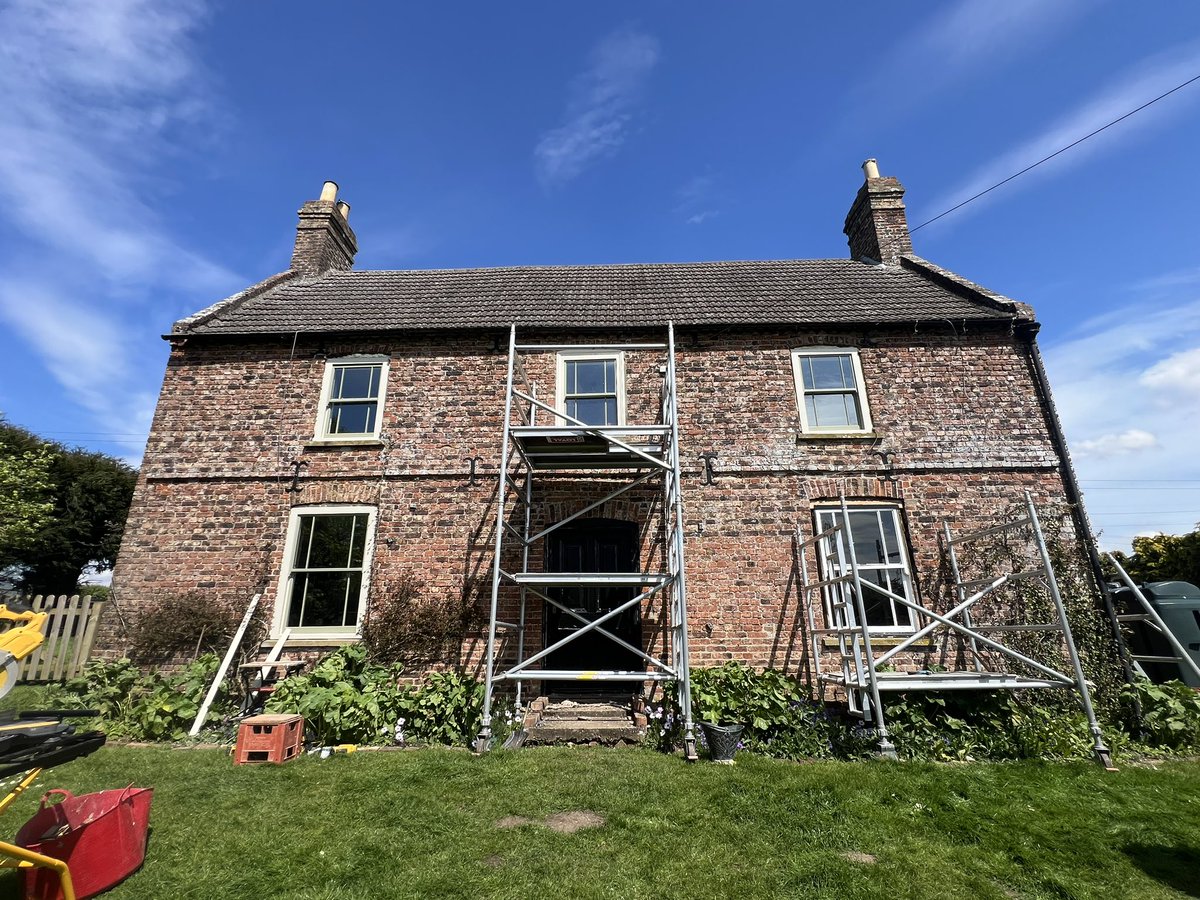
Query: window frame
[[859, 390], [826, 568], [321, 432], [283, 590], [585, 355]]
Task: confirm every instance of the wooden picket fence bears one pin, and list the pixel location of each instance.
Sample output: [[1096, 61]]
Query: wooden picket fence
[[70, 631]]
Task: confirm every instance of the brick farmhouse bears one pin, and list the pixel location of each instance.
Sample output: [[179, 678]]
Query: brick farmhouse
[[328, 431]]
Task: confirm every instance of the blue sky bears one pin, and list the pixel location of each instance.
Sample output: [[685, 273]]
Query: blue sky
[[153, 154]]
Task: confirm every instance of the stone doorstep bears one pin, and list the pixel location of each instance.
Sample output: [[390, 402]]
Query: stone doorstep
[[581, 711], [580, 722], [584, 731]]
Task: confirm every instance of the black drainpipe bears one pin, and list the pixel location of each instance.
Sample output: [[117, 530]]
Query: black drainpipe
[[1028, 331]]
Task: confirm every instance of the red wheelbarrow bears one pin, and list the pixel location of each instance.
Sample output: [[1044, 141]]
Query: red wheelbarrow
[[79, 847]]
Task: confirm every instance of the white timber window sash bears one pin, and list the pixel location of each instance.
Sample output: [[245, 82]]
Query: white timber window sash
[[352, 396], [326, 571], [882, 556], [830, 391], [591, 386]]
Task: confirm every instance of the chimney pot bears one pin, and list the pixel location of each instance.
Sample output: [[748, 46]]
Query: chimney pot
[[876, 227], [329, 191], [344, 208]]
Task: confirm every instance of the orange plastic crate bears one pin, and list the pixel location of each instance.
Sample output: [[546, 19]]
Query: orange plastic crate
[[273, 739]]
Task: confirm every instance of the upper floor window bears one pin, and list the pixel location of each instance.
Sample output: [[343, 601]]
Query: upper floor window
[[327, 560], [879, 550], [829, 391], [591, 387], [352, 398]]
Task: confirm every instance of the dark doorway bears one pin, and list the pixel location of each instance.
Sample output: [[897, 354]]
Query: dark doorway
[[592, 545]]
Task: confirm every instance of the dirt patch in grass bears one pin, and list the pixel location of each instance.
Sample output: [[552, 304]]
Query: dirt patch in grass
[[494, 861], [568, 822], [573, 821], [513, 822], [859, 857]]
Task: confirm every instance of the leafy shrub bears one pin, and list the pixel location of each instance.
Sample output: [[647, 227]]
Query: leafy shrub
[[185, 623], [1170, 713], [783, 722], [407, 625], [446, 709], [735, 693], [148, 706], [346, 698], [961, 725], [779, 718]]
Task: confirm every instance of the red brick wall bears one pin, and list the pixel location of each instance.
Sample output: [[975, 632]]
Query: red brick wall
[[954, 407]]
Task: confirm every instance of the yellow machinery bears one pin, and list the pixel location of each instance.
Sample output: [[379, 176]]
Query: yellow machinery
[[31, 742], [24, 635], [14, 857]]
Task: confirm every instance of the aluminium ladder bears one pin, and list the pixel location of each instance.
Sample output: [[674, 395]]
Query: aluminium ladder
[[1154, 621], [539, 439]]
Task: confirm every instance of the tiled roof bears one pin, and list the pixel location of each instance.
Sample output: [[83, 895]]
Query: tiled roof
[[783, 292]]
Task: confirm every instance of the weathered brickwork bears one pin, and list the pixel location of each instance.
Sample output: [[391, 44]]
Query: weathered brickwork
[[958, 434], [876, 226], [324, 238]]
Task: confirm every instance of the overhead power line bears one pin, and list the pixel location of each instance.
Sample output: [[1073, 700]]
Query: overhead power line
[[1141, 480], [1061, 150]]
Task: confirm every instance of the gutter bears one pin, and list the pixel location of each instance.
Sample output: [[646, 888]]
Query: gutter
[[1029, 331]]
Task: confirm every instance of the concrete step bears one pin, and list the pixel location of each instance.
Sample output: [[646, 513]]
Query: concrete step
[[570, 711], [584, 731]]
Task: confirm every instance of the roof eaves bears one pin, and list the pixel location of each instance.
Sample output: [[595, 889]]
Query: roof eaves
[[970, 289], [185, 326]]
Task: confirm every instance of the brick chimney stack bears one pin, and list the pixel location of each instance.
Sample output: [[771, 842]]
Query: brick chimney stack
[[876, 228], [324, 238]]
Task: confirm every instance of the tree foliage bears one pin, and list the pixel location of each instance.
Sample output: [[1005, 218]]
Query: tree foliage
[[26, 495], [1164, 557], [70, 508]]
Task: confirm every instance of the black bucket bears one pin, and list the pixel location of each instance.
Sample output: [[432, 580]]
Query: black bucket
[[722, 740]]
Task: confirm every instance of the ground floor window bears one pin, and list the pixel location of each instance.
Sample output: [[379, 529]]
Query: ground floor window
[[326, 567], [879, 548]]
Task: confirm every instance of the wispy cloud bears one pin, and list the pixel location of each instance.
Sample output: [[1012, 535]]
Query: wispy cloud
[[1127, 385], [696, 200], [81, 348], [972, 33], [600, 107], [1133, 88], [98, 93], [948, 48]]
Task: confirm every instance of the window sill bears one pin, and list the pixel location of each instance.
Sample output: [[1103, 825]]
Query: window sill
[[329, 443], [297, 641], [836, 436], [884, 641]]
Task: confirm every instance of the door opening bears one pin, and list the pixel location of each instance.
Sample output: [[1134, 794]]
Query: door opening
[[592, 545]]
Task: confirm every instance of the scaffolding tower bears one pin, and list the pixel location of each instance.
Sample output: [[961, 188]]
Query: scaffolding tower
[[864, 671], [541, 440]]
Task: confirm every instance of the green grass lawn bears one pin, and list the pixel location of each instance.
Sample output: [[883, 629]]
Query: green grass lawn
[[429, 823]]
